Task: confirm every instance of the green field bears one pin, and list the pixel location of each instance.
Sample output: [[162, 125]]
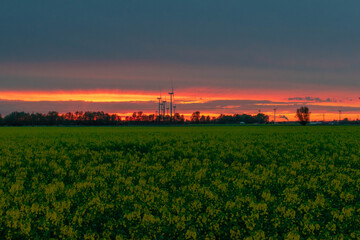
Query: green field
[[259, 182]]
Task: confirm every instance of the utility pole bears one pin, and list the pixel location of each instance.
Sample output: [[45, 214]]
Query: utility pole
[[339, 116], [274, 115]]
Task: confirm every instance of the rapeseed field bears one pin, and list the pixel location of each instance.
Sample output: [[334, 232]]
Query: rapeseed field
[[218, 182]]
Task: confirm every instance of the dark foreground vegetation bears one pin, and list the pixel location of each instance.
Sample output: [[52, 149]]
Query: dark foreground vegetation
[[105, 119], [180, 183]]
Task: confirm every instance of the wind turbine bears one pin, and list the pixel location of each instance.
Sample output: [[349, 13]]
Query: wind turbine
[[164, 106], [159, 98], [174, 106], [171, 99]]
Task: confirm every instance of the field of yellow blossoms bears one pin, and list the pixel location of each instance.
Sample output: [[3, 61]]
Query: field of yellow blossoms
[[214, 182]]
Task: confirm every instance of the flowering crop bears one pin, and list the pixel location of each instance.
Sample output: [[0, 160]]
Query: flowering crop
[[180, 182]]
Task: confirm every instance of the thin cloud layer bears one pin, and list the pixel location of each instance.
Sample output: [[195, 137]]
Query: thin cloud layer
[[310, 99], [152, 76]]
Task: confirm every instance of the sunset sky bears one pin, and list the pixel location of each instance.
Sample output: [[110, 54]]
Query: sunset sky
[[222, 56]]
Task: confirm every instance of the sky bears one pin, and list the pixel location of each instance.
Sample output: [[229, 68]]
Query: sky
[[222, 56]]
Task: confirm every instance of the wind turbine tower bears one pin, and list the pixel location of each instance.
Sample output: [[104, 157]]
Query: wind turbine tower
[[159, 98], [163, 107], [171, 100]]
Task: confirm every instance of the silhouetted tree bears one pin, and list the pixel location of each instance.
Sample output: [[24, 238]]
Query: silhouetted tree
[[134, 116], [151, 118], [303, 115], [69, 118], [179, 118], [245, 118], [195, 117], [262, 118], [345, 121], [18, 119], [208, 119], [139, 116], [100, 118], [38, 119], [79, 117], [53, 118]]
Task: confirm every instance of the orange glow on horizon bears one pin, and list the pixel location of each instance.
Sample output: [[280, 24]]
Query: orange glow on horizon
[[278, 99], [91, 96], [189, 95], [328, 117]]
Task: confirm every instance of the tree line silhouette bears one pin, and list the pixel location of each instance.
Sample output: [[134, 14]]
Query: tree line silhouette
[[100, 118], [196, 117]]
